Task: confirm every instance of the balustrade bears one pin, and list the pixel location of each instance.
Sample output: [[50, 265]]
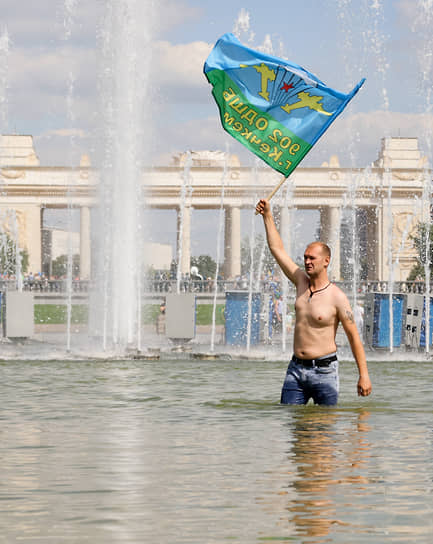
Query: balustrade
[[187, 285]]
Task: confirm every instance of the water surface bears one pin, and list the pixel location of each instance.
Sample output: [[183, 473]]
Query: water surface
[[201, 452]]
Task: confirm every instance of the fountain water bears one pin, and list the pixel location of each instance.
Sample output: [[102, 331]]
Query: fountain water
[[116, 301], [421, 28], [11, 253], [287, 234], [253, 265], [69, 10], [124, 88], [4, 57], [375, 46], [218, 255], [356, 218], [71, 118], [185, 193]]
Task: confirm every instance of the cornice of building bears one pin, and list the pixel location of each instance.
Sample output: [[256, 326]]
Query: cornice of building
[[46, 191]]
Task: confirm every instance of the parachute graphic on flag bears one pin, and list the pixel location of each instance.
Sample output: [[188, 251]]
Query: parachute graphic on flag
[[275, 108]]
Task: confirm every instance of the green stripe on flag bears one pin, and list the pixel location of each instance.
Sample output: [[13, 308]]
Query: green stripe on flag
[[257, 130]]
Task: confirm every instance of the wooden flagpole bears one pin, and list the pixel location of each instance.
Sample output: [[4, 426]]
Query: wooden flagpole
[[275, 189]]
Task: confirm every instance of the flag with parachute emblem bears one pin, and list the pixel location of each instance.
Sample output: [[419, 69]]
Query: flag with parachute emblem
[[277, 109]]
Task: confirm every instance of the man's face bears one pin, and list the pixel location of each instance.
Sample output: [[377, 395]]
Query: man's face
[[315, 261]]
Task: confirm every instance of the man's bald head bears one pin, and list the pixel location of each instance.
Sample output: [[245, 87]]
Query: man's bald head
[[325, 249]]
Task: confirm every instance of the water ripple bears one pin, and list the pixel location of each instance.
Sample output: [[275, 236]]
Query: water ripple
[[193, 452]]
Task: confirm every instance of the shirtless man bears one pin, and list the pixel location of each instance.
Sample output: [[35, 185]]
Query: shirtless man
[[320, 306]]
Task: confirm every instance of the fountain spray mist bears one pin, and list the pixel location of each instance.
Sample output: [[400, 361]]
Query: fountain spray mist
[[421, 28], [4, 70], [183, 258], [219, 244], [124, 86], [12, 255]]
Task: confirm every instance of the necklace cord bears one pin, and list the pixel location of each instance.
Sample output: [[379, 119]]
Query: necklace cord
[[317, 290]]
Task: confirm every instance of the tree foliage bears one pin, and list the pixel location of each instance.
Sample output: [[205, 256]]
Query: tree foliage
[[205, 264], [59, 266], [8, 254], [420, 241]]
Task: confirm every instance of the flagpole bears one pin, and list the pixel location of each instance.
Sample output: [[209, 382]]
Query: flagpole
[[275, 189]]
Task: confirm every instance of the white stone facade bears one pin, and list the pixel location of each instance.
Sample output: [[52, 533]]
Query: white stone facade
[[394, 193]]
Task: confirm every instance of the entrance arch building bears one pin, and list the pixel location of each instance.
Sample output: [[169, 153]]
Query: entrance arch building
[[393, 195]]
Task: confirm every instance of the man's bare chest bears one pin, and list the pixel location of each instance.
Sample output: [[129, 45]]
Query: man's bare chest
[[319, 312]]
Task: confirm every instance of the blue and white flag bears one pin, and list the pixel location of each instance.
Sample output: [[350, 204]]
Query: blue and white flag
[[275, 108]]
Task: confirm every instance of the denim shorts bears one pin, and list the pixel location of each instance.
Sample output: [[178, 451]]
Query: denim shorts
[[302, 383]]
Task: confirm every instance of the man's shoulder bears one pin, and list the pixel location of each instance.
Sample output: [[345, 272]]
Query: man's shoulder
[[301, 275], [338, 295], [301, 281]]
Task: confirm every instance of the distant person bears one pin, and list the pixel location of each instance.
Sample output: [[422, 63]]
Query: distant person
[[289, 322], [277, 313], [31, 280], [320, 306], [160, 319]]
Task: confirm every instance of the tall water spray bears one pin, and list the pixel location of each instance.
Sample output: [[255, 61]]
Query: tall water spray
[[374, 47], [4, 79], [287, 234], [421, 28], [68, 24], [253, 264], [124, 88], [241, 27], [69, 10], [219, 244], [9, 234], [377, 41], [69, 277], [183, 257]]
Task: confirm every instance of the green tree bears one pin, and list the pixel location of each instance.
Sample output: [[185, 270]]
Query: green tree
[[8, 256], [419, 240], [205, 264], [59, 266]]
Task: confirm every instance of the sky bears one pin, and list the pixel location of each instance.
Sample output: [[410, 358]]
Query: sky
[[55, 56], [46, 45]]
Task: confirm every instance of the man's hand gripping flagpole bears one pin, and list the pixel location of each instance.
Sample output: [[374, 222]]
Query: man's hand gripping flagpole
[[275, 189]]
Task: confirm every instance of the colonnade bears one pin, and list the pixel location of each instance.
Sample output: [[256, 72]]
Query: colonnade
[[232, 240], [380, 231], [85, 243], [330, 233], [37, 258], [390, 194]]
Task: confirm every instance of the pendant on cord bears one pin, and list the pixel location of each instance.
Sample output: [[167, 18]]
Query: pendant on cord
[[317, 291]]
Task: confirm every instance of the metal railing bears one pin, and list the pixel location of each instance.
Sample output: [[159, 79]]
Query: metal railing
[[161, 286], [47, 286]]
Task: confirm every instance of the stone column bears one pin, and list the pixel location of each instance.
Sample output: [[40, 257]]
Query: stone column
[[372, 244], [33, 238], [384, 231], [232, 242], [85, 246], [330, 218], [184, 239]]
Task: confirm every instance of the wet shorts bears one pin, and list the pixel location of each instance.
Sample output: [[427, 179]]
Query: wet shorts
[[315, 379]]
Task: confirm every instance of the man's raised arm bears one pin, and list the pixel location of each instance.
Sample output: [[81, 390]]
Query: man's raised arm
[[276, 246]]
